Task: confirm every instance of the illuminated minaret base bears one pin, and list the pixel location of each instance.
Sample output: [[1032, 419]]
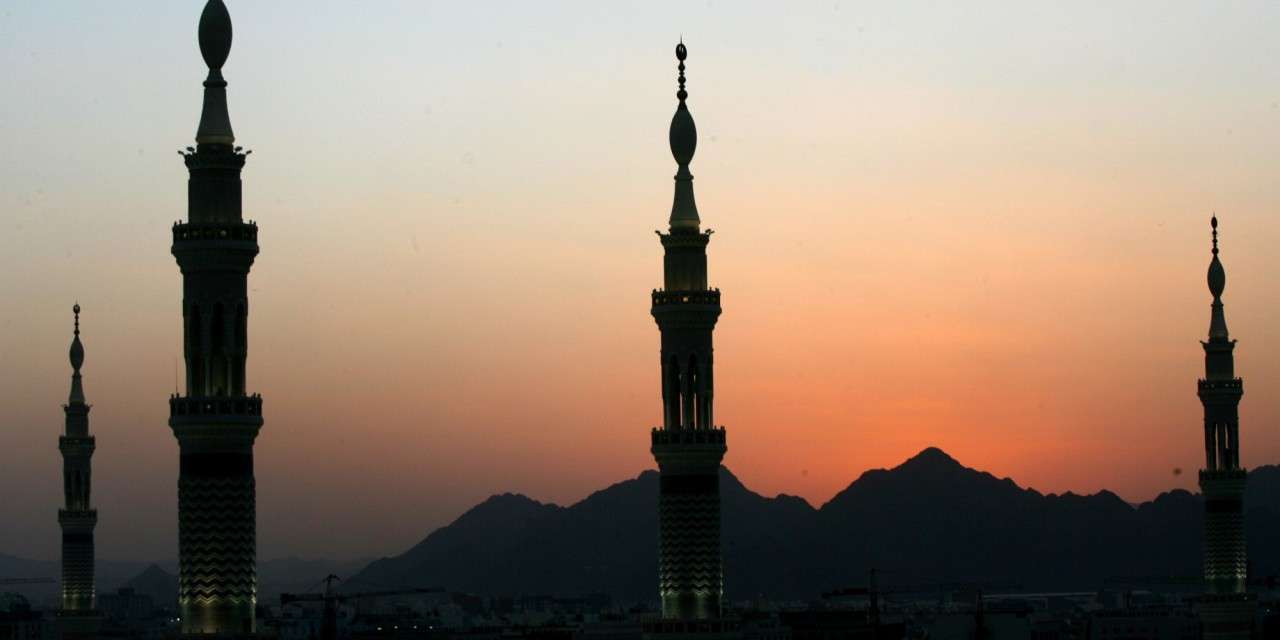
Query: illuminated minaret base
[[77, 618], [688, 446], [215, 422], [1227, 609]]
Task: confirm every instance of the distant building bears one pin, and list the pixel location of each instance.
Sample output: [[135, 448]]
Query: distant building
[[688, 446], [77, 617], [1226, 609], [215, 422], [1164, 623], [839, 624], [126, 607], [18, 621]]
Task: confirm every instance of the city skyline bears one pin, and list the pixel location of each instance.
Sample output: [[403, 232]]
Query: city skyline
[[461, 293]]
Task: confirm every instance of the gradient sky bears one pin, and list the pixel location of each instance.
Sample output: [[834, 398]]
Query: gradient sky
[[981, 227]]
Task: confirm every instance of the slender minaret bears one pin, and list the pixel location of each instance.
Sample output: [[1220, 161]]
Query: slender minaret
[[77, 518], [688, 446], [215, 422], [1226, 609]]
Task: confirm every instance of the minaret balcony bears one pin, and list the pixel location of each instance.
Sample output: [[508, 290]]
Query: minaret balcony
[[1231, 384], [76, 446], [234, 231], [1219, 392], [77, 519], [1223, 487], [704, 297], [682, 436], [195, 406]]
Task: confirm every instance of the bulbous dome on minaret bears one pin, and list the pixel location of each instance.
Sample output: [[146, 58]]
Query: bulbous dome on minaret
[[683, 138], [684, 134], [1217, 275], [215, 45], [77, 349], [215, 34], [1217, 278]]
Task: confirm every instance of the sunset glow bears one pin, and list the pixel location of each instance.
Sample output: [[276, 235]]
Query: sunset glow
[[981, 229]]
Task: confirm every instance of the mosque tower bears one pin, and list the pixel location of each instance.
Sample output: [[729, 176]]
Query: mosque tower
[[1226, 610], [215, 421], [77, 617], [688, 446]]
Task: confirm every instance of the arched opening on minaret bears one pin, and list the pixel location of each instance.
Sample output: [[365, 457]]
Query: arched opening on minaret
[[217, 352], [673, 392], [195, 364], [239, 348], [691, 393]]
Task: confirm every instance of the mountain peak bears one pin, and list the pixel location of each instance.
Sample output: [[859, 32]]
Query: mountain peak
[[931, 457]]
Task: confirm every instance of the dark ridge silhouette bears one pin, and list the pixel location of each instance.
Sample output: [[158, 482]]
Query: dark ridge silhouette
[[928, 520], [160, 585]]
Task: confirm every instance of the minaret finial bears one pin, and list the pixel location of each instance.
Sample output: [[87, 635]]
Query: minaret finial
[[683, 138], [1217, 278], [215, 46], [76, 355], [681, 54]]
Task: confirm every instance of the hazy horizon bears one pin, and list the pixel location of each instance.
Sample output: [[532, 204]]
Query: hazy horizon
[[982, 228]]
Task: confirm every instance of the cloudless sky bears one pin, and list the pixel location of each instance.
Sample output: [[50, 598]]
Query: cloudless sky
[[980, 226]]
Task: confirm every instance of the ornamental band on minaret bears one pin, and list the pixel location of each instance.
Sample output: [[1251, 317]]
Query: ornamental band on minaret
[[688, 446], [215, 421], [1226, 610], [78, 518]]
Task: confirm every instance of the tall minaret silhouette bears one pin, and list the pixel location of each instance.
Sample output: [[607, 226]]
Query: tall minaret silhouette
[[77, 518], [1226, 610], [688, 446], [215, 422]]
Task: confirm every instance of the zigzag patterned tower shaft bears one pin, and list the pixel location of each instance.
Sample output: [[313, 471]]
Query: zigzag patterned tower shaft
[[79, 591], [690, 569], [216, 531], [215, 421]]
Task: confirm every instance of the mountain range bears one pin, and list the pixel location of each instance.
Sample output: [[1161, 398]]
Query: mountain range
[[929, 520]]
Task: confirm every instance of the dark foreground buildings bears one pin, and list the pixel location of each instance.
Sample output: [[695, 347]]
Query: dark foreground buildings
[[688, 446], [77, 617], [215, 422], [1226, 610]]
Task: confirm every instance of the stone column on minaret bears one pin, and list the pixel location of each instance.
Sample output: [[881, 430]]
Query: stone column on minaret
[[1227, 609], [688, 446], [215, 421], [77, 616]]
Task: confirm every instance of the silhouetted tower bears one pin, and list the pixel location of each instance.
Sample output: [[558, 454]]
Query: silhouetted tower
[[688, 446], [1226, 611], [215, 422], [77, 617]]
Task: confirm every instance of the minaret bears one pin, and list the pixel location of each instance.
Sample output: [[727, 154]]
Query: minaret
[[688, 446], [77, 618], [1226, 610], [215, 422]]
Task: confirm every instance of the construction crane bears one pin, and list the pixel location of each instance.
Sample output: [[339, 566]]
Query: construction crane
[[331, 598]]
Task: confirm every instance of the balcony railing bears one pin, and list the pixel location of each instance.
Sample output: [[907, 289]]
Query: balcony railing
[[197, 231], [709, 296], [215, 406], [688, 436]]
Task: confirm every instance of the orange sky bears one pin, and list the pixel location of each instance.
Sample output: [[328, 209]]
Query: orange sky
[[985, 231]]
